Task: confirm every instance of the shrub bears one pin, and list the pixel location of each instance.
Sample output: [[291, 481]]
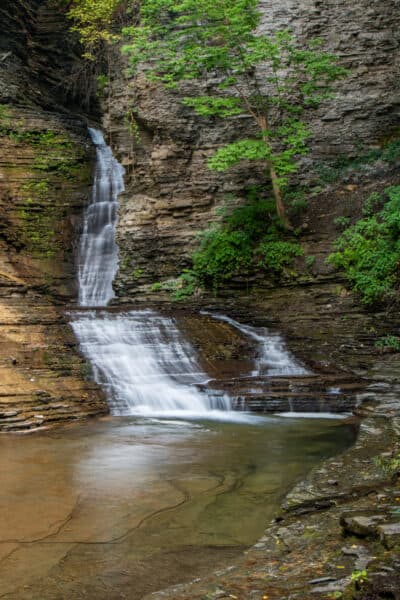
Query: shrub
[[369, 253], [276, 255], [341, 222], [185, 286], [372, 204], [390, 341], [248, 238], [222, 254]]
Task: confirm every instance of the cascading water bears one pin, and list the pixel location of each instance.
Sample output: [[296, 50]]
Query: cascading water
[[273, 357], [144, 365], [140, 357], [98, 251]]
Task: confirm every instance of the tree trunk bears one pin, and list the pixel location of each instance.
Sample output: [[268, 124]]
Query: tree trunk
[[280, 206]]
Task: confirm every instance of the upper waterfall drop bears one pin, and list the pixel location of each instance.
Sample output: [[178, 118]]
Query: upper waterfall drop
[[98, 250]]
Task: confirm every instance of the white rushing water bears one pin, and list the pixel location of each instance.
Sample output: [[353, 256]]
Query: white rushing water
[[273, 358], [98, 250], [144, 364], [140, 357]]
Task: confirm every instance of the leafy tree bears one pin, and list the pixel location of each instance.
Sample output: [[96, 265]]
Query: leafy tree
[[93, 20], [271, 79]]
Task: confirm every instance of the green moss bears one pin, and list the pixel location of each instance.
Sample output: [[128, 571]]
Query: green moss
[[53, 151], [56, 161], [137, 273]]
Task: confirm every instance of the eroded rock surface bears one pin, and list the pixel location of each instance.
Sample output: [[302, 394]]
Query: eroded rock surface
[[45, 179], [171, 193]]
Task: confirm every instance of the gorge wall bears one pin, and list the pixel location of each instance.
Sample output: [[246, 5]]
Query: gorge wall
[[171, 193], [45, 178]]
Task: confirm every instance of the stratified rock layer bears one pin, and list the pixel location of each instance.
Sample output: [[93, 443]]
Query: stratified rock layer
[[45, 178], [172, 195]]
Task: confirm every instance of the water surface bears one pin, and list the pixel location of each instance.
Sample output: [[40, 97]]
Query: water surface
[[123, 507]]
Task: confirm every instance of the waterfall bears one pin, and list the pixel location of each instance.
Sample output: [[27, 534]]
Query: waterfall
[[144, 364], [98, 250], [274, 359], [139, 357]]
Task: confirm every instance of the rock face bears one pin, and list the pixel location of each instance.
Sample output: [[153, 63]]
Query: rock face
[[171, 193], [45, 178]]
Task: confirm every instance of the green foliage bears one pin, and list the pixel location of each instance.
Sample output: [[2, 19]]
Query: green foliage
[[389, 465], [369, 253], [216, 43], [93, 20], [132, 124], [186, 286], [249, 237], [389, 153], [391, 342], [359, 576], [310, 261], [372, 203], [275, 255], [102, 82], [341, 222], [222, 254]]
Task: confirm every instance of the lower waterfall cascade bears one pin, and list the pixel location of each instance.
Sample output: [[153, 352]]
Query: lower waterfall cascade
[[140, 357]]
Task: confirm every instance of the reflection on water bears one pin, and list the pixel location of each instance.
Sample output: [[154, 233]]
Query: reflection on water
[[131, 506]]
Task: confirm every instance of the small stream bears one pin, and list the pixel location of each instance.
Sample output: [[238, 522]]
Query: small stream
[[174, 483]]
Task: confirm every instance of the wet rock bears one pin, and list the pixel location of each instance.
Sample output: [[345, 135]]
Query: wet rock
[[362, 526], [362, 554], [45, 179], [322, 580], [389, 534]]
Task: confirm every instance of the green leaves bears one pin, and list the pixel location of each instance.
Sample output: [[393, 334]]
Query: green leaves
[[93, 21], [249, 238], [214, 106], [216, 43], [232, 154], [369, 253], [275, 255]]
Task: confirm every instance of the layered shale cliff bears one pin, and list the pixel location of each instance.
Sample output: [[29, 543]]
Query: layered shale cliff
[[172, 195], [45, 178]]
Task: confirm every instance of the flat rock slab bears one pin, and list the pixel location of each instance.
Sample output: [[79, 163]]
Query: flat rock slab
[[362, 526], [390, 534]]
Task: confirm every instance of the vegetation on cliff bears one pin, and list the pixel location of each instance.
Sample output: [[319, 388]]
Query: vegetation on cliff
[[369, 250], [216, 45], [248, 239], [94, 21]]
